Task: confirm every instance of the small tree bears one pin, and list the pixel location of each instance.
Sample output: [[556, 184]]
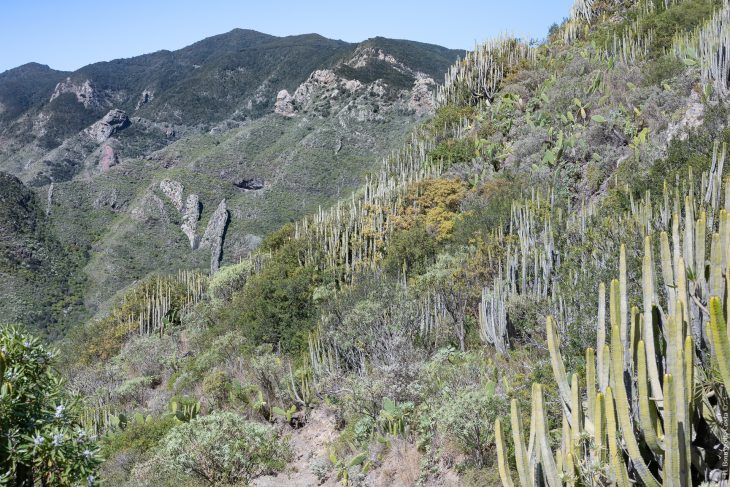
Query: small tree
[[219, 449], [467, 416], [41, 440]]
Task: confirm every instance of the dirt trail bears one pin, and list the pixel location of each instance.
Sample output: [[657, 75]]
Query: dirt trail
[[399, 465], [309, 445]]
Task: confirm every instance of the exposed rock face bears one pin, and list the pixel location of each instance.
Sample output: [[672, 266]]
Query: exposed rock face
[[214, 235], [190, 210], [422, 100], [284, 104], [108, 158], [85, 92], [362, 56], [693, 117], [325, 90], [191, 215], [320, 80], [250, 183], [108, 199], [145, 97], [49, 201], [174, 191], [113, 122]]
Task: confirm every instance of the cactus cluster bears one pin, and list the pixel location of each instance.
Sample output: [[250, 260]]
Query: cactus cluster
[[353, 234], [650, 407], [477, 78], [528, 267], [629, 45], [155, 304], [708, 47]]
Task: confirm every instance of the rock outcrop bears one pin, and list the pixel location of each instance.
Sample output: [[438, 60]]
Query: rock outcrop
[[692, 118], [190, 211], [191, 215], [145, 97], [113, 122], [250, 184], [215, 234], [422, 100], [150, 210], [85, 92], [364, 56], [284, 104], [174, 191]]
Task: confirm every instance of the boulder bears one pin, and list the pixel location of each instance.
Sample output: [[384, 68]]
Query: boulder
[[284, 104], [113, 122]]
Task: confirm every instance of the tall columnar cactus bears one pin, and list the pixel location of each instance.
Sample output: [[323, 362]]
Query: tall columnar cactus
[[640, 409]]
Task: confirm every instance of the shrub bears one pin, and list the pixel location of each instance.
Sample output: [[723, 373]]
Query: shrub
[[228, 280], [661, 69], [415, 248], [219, 449], [449, 117], [468, 416], [135, 443], [276, 305], [453, 151], [216, 388], [41, 440]]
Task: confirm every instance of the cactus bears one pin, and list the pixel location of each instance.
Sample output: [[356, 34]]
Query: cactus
[[504, 473], [287, 414], [3, 365], [186, 412], [645, 421]]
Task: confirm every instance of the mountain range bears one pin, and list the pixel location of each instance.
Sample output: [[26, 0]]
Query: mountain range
[[124, 163]]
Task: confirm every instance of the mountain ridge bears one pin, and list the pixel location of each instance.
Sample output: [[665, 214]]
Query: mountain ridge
[[206, 117]]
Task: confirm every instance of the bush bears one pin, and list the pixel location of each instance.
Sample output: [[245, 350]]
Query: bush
[[276, 305], [453, 151], [415, 248], [41, 439], [135, 443], [450, 116], [468, 416], [218, 449], [217, 388], [228, 280]]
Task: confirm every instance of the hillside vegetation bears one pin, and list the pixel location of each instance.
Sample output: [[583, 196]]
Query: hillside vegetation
[[129, 160], [530, 291]]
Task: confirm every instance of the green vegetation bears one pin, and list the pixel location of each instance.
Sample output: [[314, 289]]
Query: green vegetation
[[532, 289], [218, 449], [41, 439]]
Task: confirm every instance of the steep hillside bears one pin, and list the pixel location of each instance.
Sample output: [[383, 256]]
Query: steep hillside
[[39, 274], [555, 235], [142, 151]]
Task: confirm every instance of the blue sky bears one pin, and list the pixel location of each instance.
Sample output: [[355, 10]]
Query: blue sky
[[68, 34]]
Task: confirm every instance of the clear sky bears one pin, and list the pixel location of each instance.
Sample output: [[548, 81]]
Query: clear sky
[[68, 34]]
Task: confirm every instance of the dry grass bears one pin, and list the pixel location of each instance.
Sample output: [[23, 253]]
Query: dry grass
[[401, 465]]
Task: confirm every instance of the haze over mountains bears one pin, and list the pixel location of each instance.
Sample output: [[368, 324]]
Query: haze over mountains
[[190, 157]]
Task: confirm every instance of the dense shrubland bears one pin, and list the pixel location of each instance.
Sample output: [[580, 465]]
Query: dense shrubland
[[462, 283]]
